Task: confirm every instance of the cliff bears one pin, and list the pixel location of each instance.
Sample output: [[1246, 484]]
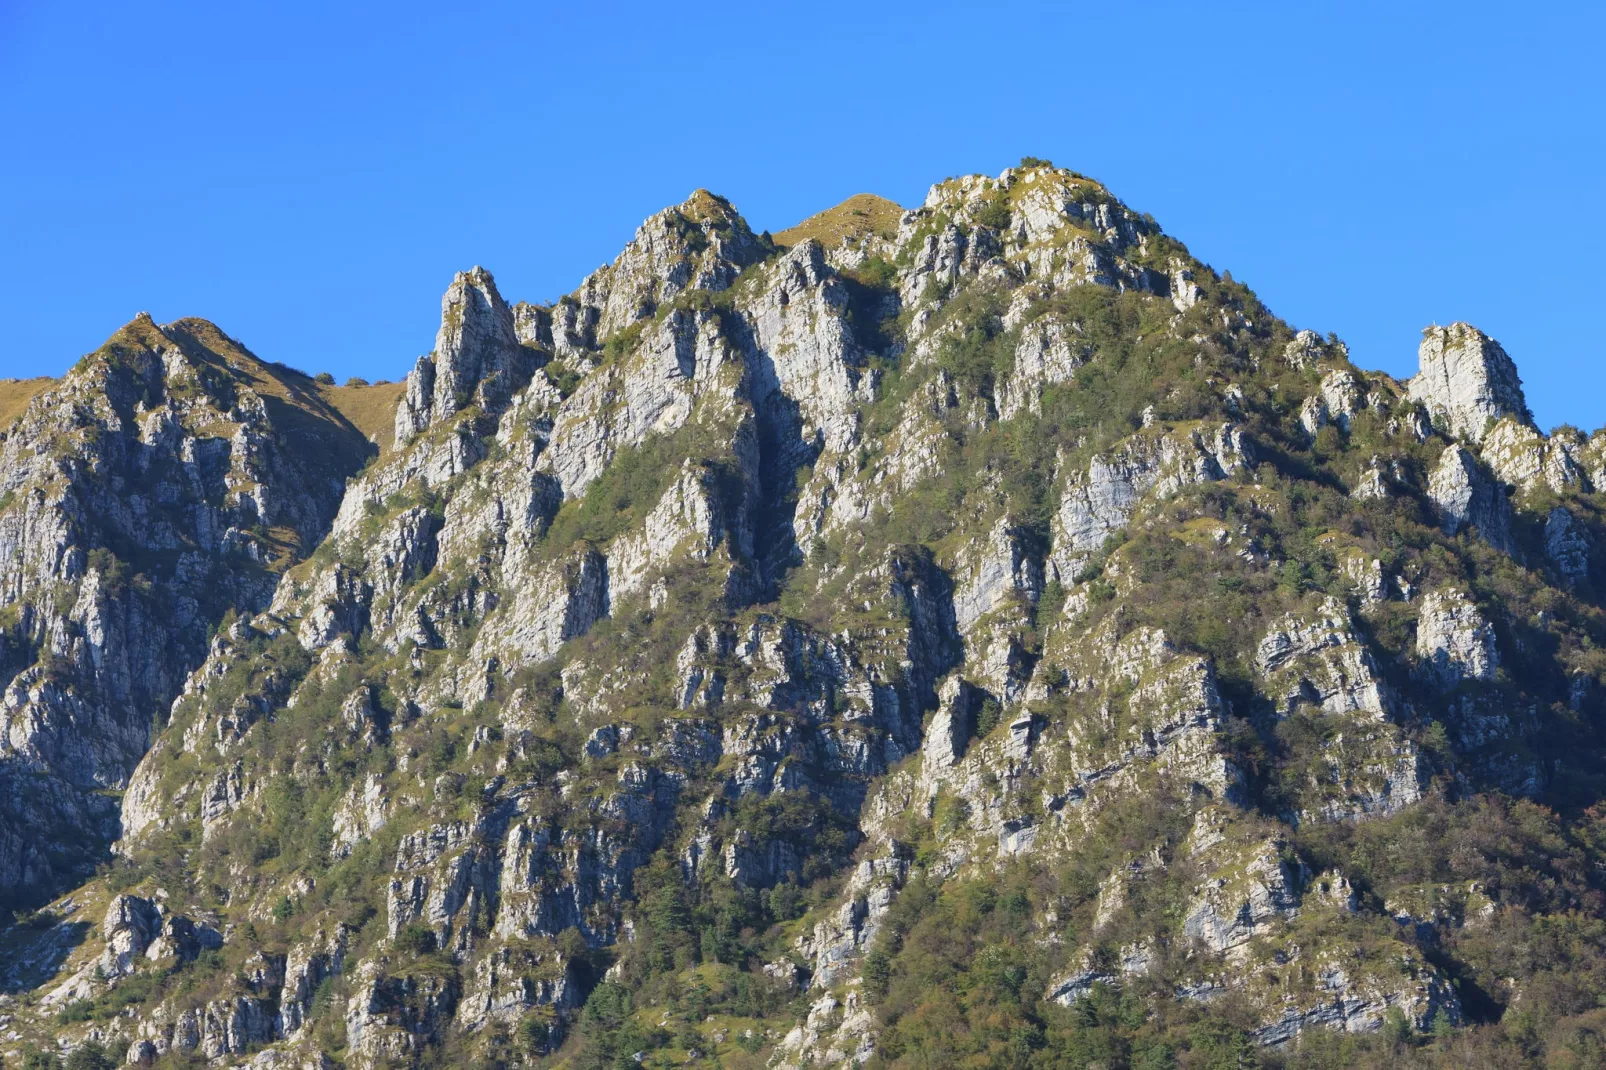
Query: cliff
[[990, 636]]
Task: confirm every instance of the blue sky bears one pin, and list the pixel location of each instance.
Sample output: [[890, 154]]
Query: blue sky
[[309, 176]]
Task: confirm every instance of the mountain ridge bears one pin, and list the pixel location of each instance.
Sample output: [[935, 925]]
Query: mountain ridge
[[764, 637]]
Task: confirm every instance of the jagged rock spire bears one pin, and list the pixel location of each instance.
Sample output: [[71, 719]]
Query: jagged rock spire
[[477, 358], [1467, 378]]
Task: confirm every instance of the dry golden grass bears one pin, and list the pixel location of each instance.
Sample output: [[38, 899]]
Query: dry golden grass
[[211, 345], [371, 409], [15, 395], [860, 214]]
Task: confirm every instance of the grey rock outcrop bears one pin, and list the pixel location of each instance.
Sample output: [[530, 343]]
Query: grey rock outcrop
[[1007, 567], [478, 358], [562, 600], [948, 734], [1321, 662], [1454, 641], [1353, 1005], [1466, 497], [1048, 353], [214, 1030], [131, 923], [1528, 460], [1466, 379], [700, 244], [1252, 886], [1095, 505], [1567, 545]]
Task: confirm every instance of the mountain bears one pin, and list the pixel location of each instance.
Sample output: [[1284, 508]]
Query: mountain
[[167, 481], [979, 635]]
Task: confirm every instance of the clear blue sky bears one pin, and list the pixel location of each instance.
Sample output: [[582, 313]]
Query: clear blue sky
[[310, 175]]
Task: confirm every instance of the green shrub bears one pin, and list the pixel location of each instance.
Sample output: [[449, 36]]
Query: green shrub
[[416, 938], [90, 1055], [995, 213], [988, 716]]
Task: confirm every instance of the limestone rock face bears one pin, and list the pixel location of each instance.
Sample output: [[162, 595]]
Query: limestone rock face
[[1008, 568], [565, 599], [131, 923], [1098, 504], [682, 357], [477, 352], [706, 637], [1338, 400], [692, 519], [807, 358], [214, 1030], [1467, 379], [1048, 353], [701, 244], [1527, 460], [137, 498], [1348, 1004], [1465, 497], [1321, 662], [1567, 545], [1304, 350], [478, 358], [1254, 886], [1454, 640], [1320, 665], [1374, 484], [948, 735]]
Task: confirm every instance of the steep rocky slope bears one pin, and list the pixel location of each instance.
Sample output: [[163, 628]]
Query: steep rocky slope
[[994, 641], [165, 482]]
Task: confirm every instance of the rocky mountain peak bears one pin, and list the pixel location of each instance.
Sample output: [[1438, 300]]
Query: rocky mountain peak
[[860, 216], [707, 208], [702, 243], [1467, 379], [163, 482], [768, 650]]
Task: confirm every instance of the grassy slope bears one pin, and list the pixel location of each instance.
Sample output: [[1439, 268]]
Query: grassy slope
[[15, 395], [860, 214], [371, 409]]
